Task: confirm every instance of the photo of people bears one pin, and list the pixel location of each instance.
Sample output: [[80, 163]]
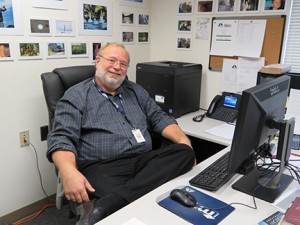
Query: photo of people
[[226, 5], [204, 6], [183, 43], [185, 7], [274, 4], [6, 14], [4, 50], [249, 5]]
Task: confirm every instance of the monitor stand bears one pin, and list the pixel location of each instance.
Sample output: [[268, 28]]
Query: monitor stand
[[250, 185]]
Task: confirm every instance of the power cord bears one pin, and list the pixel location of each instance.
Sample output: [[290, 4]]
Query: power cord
[[39, 172], [35, 216]]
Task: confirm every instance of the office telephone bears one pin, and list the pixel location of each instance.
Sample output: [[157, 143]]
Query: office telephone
[[223, 107]]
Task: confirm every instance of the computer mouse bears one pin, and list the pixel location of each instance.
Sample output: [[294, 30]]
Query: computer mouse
[[183, 197]]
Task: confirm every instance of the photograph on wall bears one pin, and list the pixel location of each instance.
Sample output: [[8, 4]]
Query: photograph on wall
[[204, 6], [276, 5], [184, 43], [5, 51], [248, 5], [95, 17], [127, 18], [10, 17], [64, 27], [29, 50], [40, 27], [185, 7], [50, 4], [144, 19], [226, 6], [184, 25], [78, 49], [95, 46], [143, 37], [56, 50], [127, 37], [134, 3]]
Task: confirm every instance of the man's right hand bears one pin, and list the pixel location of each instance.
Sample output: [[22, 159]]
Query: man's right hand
[[75, 184]]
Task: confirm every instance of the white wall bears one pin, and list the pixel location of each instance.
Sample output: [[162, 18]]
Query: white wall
[[22, 100]]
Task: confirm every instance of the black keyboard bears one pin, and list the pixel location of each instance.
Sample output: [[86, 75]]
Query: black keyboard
[[225, 114], [214, 176]]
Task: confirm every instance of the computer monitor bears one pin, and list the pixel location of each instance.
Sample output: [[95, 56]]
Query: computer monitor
[[261, 116]]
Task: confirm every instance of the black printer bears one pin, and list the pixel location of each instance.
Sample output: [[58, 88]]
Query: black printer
[[175, 86]]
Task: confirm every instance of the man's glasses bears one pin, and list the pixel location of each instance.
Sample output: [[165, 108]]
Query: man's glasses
[[114, 61]]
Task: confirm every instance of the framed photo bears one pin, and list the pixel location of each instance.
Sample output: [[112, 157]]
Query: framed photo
[[29, 50], [12, 23], [79, 49], [134, 3], [185, 7], [184, 43], [5, 51], [64, 27], [50, 4], [204, 6], [94, 17], [95, 47], [143, 37], [226, 6], [248, 6], [274, 5], [144, 19], [184, 25], [40, 27], [127, 18], [127, 37], [56, 50]]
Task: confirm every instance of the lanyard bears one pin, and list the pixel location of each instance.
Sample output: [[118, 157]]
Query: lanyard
[[120, 109]]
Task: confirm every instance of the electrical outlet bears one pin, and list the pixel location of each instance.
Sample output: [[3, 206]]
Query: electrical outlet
[[24, 138]]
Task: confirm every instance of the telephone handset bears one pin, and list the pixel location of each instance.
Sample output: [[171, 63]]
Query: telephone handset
[[213, 105]]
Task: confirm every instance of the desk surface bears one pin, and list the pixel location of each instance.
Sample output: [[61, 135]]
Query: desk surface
[[197, 129], [149, 212]]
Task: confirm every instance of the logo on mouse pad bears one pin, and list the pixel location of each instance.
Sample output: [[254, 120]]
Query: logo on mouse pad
[[208, 213]]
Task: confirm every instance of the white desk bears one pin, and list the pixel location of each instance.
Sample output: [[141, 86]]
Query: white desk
[[149, 212], [196, 129]]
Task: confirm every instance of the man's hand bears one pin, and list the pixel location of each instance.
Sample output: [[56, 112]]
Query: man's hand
[[75, 184]]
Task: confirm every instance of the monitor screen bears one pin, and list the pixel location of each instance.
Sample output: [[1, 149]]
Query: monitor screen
[[261, 115]]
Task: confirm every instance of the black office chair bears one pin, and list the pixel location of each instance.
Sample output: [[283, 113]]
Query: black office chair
[[55, 84]]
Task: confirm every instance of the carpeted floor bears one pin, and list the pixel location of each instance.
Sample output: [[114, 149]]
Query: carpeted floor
[[53, 216]]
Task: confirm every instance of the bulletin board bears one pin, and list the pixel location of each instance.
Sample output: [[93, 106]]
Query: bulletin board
[[272, 43]]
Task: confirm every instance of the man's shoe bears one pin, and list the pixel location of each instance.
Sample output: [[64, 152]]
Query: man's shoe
[[96, 210], [84, 211]]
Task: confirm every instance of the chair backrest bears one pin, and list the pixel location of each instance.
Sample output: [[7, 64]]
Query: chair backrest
[[55, 84]]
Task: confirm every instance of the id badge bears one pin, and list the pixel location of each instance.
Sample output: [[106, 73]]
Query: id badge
[[138, 135]]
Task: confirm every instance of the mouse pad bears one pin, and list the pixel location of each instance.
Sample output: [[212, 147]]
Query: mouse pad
[[205, 211]]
